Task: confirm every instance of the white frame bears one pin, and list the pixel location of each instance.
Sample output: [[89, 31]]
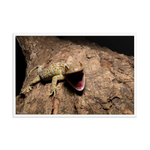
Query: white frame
[[72, 116]]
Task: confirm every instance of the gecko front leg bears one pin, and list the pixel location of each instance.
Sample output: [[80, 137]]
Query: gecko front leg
[[54, 82]]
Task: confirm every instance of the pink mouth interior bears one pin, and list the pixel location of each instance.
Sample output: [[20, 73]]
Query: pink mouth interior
[[77, 80]]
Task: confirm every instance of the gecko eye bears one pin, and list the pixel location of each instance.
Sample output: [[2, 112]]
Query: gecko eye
[[80, 64], [66, 68]]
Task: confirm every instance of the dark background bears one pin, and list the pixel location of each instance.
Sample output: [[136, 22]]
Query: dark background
[[120, 44]]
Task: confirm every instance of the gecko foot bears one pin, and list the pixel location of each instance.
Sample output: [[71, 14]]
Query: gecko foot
[[58, 87], [53, 91], [27, 89]]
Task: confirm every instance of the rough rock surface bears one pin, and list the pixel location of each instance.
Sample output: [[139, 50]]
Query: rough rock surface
[[109, 87]]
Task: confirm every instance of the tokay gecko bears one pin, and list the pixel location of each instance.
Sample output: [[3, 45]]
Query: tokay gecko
[[72, 72]]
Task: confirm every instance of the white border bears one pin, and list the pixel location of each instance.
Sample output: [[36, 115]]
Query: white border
[[10, 75], [14, 115], [74, 34], [14, 76], [81, 31], [135, 75]]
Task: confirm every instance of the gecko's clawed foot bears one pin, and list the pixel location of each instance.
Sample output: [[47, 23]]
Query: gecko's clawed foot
[[27, 89], [53, 91], [58, 87]]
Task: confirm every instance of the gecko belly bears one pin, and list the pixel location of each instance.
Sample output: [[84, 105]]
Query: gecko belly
[[77, 80]]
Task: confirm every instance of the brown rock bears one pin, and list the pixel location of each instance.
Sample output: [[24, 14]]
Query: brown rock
[[107, 105]]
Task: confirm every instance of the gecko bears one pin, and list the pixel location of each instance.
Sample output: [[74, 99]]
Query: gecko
[[72, 72]]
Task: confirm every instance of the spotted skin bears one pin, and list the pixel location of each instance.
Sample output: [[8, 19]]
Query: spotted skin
[[55, 72]]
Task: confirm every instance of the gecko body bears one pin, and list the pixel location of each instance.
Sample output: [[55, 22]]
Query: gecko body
[[73, 73]]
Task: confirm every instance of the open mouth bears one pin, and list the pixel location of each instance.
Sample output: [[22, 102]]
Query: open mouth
[[77, 80]]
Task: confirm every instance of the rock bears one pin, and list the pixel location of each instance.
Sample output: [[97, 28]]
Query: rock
[[107, 105]]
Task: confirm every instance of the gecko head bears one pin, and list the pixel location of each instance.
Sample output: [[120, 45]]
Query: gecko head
[[75, 75]]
